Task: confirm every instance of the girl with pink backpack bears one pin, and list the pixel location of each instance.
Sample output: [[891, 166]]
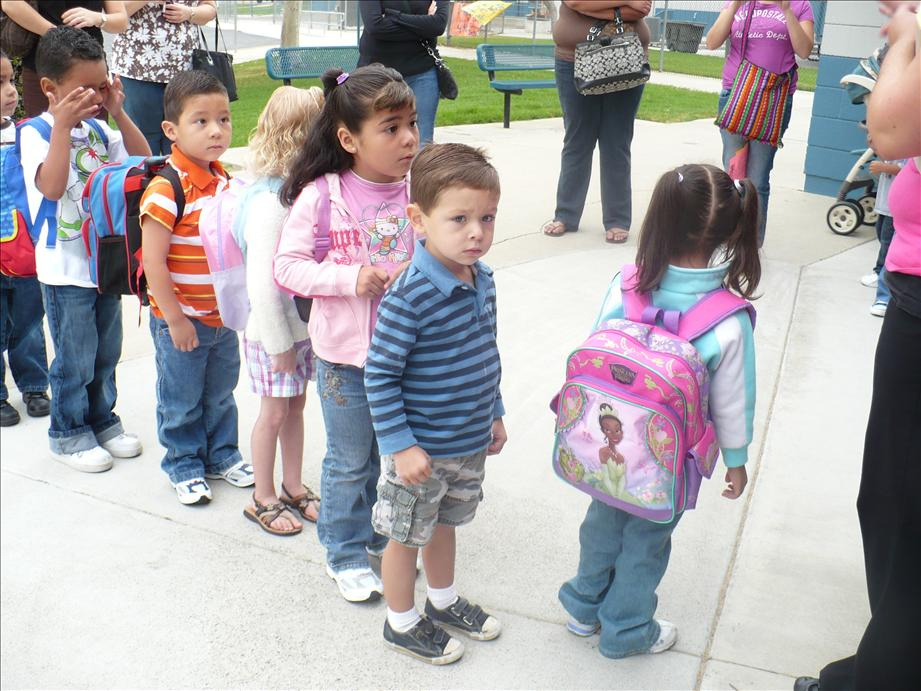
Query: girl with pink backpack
[[677, 324]]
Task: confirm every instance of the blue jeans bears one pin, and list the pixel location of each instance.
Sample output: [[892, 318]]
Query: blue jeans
[[21, 335], [621, 562], [86, 330], [144, 105], [425, 87], [196, 411], [605, 120], [351, 468], [760, 159]]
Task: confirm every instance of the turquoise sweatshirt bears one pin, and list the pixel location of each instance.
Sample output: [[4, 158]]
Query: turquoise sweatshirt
[[728, 350]]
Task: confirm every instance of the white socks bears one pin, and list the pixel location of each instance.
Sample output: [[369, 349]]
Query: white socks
[[442, 598], [401, 622]]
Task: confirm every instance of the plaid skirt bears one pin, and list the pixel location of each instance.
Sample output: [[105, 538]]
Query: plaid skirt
[[266, 382]]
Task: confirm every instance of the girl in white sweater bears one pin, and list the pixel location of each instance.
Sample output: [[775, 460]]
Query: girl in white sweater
[[276, 344]]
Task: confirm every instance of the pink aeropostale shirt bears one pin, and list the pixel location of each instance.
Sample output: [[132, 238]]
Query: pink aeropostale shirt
[[769, 44], [904, 255]]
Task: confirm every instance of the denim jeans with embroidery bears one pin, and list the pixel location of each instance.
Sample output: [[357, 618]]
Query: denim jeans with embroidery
[[351, 468], [22, 336], [621, 562], [196, 410], [86, 330]]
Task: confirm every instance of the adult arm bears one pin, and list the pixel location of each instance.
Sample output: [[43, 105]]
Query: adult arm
[[892, 110], [203, 13], [801, 32], [133, 6], [719, 32], [423, 25], [630, 10], [23, 14], [113, 19], [383, 27]]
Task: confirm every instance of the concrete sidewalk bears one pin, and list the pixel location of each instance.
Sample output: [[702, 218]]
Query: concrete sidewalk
[[107, 581]]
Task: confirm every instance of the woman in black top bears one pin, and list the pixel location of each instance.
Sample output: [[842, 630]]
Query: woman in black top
[[395, 34]]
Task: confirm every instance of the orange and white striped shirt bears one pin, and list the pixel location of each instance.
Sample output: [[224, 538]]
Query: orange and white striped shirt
[[186, 261]]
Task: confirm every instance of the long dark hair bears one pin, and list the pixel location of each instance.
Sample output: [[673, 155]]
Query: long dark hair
[[363, 93], [696, 209]]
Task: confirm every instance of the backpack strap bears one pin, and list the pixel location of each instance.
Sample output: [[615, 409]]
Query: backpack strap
[[321, 242], [168, 173], [48, 208], [710, 310], [638, 306]]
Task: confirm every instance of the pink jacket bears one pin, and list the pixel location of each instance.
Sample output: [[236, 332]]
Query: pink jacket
[[340, 322]]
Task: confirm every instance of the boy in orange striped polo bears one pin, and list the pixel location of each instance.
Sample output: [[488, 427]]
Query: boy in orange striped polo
[[198, 358]]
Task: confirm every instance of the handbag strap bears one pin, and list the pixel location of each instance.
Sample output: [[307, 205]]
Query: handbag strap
[[433, 53], [750, 11]]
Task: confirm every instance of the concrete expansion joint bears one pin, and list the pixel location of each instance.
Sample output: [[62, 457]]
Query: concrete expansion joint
[[752, 486]]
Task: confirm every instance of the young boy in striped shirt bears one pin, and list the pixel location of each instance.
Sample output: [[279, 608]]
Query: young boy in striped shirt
[[198, 358], [432, 380]]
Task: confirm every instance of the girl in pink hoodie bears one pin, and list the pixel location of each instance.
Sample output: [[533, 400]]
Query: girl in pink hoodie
[[362, 145]]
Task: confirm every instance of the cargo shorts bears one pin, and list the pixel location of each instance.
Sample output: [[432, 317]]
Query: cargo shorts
[[451, 494]]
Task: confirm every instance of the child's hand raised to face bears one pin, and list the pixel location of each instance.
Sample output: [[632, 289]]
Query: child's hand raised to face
[[74, 108], [114, 97], [413, 465], [737, 478]]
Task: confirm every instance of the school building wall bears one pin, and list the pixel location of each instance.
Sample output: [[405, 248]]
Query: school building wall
[[851, 32]]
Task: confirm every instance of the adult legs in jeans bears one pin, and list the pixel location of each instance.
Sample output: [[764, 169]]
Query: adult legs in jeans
[[760, 160], [622, 559], [196, 411], [144, 105], [86, 330], [425, 88], [885, 229], [581, 125], [348, 483], [21, 335], [618, 111], [890, 518]]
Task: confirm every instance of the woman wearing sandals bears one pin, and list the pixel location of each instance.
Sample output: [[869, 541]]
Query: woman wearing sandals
[[276, 345], [605, 120]]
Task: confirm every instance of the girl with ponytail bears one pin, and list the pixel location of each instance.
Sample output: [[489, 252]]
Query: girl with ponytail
[[700, 234]]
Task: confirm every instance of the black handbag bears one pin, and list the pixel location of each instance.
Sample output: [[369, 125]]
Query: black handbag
[[215, 62], [447, 86]]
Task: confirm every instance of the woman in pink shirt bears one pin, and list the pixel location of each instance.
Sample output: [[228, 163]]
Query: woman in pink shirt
[[780, 31]]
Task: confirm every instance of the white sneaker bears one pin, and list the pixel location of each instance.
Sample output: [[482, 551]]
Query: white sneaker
[[870, 280], [357, 585], [668, 634], [878, 309], [576, 627], [123, 446], [239, 475], [95, 460], [194, 491]]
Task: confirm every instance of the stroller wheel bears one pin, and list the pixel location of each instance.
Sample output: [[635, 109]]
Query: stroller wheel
[[844, 217], [868, 204]]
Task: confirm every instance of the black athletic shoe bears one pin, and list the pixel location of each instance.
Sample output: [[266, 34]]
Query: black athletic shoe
[[426, 642], [37, 404], [466, 617], [9, 416]]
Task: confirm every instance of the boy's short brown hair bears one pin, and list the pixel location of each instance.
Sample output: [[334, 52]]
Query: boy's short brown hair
[[442, 166], [184, 86]]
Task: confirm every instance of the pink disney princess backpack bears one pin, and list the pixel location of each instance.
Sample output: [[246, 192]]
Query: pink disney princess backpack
[[632, 422]]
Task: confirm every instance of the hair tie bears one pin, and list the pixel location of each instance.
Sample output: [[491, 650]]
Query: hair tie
[[680, 176], [740, 188], [341, 78]]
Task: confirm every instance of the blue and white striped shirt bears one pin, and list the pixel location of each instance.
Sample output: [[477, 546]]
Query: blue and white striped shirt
[[433, 370]]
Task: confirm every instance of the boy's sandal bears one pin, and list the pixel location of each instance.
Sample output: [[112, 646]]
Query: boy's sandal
[[554, 229], [266, 514], [616, 236], [302, 502]]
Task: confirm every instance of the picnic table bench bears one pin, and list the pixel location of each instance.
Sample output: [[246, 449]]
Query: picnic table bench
[[497, 57], [308, 62]]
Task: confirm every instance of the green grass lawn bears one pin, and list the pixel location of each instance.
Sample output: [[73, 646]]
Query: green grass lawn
[[477, 102]]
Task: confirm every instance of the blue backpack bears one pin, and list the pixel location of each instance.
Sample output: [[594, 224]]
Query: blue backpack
[[19, 232]]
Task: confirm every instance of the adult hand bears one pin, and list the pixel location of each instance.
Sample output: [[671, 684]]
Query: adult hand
[[784, 5], [413, 465], [81, 18], [74, 108], [285, 362], [178, 13], [114, 97], [644, 6], [372, 281], [902, 23], [736, 478], [499, 437], [185, 338]]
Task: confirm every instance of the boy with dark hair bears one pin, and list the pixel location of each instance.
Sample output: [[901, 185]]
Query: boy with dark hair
[[432, 380], [198, 358], [86, 327]]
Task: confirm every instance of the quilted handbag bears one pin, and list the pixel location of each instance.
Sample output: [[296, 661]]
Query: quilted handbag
[[756, 102], [605, 64]]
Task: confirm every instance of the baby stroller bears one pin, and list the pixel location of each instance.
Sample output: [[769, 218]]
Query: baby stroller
[[848, 213]]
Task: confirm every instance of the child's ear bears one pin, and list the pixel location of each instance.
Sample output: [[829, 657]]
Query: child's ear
[[346, 140], [47, 86], [169, 129], [414, 214]]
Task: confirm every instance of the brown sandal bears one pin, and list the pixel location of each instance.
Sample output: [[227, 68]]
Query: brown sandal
[[554, 229], [616, 236], [302, 502], [266, 514]]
